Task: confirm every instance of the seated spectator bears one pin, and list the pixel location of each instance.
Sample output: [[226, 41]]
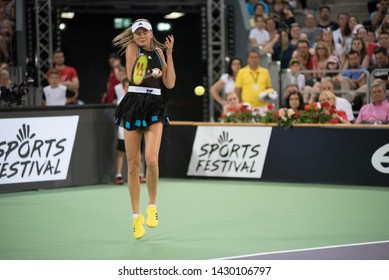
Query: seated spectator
[[379, 14], [294, 100], [325, 19], [334, 48], [382, 63], [282, 50], [232, 102], [321, 57], [294, 32], [378, 110], [271, 27], [259, 10], [56, 94], [341, 103], [353, 21], [310, 28], [6, 36], [353, 80], [288, 18], [329, 98], [5, 81], [259, 36], [311, 93], [303, 55], [358, 46], [294, 77], [343, 34], [368, 41]]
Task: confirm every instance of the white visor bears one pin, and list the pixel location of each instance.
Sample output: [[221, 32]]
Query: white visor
[[139, 24]]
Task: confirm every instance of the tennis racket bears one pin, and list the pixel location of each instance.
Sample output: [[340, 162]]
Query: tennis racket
[[139, 70]]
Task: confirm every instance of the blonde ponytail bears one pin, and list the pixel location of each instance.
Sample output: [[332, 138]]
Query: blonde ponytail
[[126, 37]]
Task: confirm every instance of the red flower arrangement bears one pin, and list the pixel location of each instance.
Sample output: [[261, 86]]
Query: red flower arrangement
[[283, 117]]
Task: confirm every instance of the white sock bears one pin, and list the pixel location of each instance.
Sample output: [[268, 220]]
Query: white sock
[[153, 205], [119, 175], [135, 215]]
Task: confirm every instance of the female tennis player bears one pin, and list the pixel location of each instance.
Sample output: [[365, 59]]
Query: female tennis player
[[143, 111]]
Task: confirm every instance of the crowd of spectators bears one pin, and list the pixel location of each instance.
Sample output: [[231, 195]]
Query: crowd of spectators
[[348, 45]]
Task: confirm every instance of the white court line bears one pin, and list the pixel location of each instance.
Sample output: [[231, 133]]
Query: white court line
[[306, 249]]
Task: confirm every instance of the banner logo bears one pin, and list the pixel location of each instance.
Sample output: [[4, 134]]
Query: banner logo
[[229, 151], [36, 149], [380, 159]]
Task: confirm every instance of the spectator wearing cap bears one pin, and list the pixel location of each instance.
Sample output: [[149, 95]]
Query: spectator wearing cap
[[378, 110], [325, 16], [294, 77]]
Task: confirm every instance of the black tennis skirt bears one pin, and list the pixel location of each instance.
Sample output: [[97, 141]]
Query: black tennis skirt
[[140, 110]]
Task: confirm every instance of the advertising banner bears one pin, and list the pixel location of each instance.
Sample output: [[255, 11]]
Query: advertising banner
[[229, 151], [36, 149]]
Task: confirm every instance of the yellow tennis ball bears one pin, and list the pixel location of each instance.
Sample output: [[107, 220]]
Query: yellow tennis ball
[[199, 90]]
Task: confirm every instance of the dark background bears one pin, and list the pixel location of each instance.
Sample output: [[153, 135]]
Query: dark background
[[87, 43]]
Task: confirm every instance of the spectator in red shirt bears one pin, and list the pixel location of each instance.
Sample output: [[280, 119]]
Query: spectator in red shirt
[[113, 78], [67, 74]]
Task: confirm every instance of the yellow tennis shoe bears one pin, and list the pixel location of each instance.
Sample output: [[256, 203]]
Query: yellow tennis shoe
[[137, 226], [152, 216]]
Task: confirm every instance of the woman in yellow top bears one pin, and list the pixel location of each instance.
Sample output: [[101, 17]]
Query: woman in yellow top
[[252, 80]]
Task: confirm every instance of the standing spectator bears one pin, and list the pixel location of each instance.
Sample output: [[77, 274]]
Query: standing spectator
[[67, 74], [310, 28], [252, 80], [226, 83], [258, 36], [325, 16], [378, 110], [113, 79], [56, 94]]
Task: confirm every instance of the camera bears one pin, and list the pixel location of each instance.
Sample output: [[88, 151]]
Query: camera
[[14, 94]]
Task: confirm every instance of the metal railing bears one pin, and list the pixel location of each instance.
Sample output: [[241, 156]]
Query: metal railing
[[368, 78]]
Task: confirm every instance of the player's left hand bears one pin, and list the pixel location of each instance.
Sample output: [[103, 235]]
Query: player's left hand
[[169, 42]]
